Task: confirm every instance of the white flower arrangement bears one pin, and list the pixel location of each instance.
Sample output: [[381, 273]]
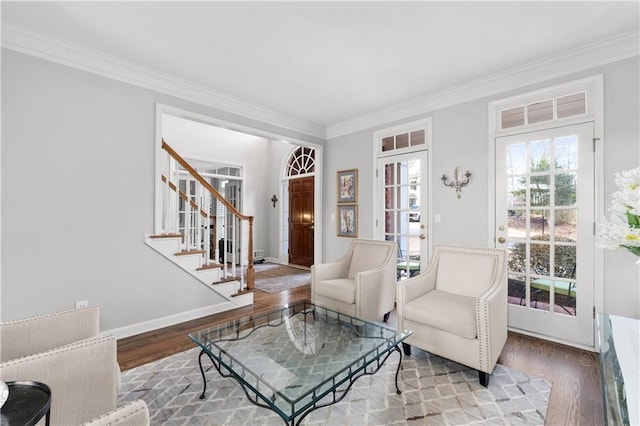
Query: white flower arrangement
[[622, 228]]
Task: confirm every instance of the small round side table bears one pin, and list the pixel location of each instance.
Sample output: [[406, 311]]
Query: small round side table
[[28, 402]]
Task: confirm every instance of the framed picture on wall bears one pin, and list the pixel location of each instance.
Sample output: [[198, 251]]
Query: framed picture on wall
[[347, 183], [348, 220]]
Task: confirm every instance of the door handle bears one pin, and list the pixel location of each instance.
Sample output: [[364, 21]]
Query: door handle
[[423, 236], [502, 240]]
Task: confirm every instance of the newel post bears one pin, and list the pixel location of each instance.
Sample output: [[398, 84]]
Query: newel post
[[250, 271]]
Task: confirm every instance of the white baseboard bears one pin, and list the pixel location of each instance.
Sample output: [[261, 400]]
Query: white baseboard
[[143, 327]]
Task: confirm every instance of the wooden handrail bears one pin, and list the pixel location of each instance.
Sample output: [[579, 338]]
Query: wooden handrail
[[225, 202], [202, 180], [185, 197]]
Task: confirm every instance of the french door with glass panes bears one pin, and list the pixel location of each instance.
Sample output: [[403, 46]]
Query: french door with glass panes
[[403, 185], [544, 218]]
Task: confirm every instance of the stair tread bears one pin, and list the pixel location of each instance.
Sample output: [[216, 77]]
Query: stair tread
[[226, 280], [241, 292], [209, 266], [187, 252], [154, 236]]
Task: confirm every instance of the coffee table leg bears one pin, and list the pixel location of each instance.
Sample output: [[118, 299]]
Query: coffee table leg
[[204, 379], [397, 349]]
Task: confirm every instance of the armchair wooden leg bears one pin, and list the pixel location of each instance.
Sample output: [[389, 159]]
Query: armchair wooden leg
[[386, 317], [407, 348], [484, 378]]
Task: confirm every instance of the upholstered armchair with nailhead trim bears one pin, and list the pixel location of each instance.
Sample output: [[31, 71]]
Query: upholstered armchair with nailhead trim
[[457, 308], [362, 283], [65, 351]]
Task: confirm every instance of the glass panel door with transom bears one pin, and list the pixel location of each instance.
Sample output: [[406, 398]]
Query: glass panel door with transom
[[544, 214], [404, 206]]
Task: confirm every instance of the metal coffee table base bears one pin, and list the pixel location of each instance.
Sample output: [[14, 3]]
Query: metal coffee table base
[[338, 394]]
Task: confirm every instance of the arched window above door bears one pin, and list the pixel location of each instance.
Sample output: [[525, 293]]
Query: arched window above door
[[302, 161]]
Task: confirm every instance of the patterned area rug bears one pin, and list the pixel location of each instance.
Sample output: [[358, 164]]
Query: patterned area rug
[[435, 391], [272, 277]]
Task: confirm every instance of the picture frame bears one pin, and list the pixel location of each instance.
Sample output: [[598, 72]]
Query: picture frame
[[347, 186], [347, 223]]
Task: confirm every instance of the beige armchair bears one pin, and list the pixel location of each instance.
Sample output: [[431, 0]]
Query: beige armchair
[[362, 283], [65, 351], [135, 413], [457, 308]]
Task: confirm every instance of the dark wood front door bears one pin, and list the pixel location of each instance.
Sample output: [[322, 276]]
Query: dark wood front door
[[301, 221]]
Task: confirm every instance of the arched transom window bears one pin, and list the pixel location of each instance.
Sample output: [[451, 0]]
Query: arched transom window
[[301, 161]]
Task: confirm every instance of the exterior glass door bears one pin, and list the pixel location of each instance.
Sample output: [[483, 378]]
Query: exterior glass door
[[544, 218], [403, 184]]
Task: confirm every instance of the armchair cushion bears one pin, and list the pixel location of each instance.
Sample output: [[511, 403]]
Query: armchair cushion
[[342, 289], [465, 273], [367, 257], [446, 311]]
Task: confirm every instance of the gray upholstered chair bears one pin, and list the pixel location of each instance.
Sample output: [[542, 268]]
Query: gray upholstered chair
[[362, 283], [65, 351], [457, 308]]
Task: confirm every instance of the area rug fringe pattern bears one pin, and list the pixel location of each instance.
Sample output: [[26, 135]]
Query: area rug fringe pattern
[[435, 391]]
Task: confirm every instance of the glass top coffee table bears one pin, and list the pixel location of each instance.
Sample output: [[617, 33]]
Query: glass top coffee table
[[299, 358]]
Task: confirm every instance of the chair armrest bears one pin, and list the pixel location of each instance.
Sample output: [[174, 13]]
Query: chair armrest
[[412, 288], [417, 285], [135, 413], [38, 334], [82, 377], [491, 314], [374, 289], [329, 271]]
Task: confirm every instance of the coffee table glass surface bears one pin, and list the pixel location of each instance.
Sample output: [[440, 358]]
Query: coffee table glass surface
[[298, 358]]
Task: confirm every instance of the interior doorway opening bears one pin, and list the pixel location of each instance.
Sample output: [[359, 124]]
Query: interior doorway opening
[[263, 159]]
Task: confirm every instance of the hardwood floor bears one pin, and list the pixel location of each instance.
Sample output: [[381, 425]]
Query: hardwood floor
[[576, 398]]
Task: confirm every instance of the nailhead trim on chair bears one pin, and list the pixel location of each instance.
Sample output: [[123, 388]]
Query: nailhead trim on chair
[[90, 341], [50, 315]]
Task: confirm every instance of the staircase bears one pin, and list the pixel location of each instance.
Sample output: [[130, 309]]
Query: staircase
[[193, 215]]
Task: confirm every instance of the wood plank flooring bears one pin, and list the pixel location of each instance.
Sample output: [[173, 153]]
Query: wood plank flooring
[[576, 398]]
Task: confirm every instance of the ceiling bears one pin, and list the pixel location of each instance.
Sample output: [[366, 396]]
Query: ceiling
[[327, 62]]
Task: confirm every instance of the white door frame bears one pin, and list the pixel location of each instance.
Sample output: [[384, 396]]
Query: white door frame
[[377, 206], [594, 86]]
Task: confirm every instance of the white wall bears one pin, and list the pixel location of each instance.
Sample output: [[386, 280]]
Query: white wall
[[78, 154], [78, 183], [460, 139]]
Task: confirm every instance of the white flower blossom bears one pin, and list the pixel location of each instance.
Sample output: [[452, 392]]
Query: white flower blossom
[[622, 229]]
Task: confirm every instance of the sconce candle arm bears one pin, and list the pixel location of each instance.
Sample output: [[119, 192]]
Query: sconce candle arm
[[460, 180]]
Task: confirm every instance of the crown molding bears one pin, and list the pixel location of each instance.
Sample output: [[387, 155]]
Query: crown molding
[[44, 46], [605, 51]]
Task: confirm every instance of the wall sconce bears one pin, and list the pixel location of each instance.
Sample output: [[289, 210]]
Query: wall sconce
[[461, 180], [274, 200]]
